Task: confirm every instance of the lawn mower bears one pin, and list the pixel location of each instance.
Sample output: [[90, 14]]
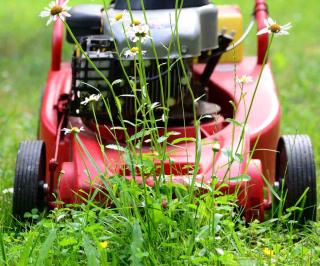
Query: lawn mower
[[252, 160]]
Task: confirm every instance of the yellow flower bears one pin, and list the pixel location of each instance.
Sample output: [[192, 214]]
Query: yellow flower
[[268, 252], [103, 244]]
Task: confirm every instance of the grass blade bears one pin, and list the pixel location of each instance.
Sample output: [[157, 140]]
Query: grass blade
[[90, 252], [3, 251], [45, 248]]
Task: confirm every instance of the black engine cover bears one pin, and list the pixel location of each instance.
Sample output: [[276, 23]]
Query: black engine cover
[[159, 4]]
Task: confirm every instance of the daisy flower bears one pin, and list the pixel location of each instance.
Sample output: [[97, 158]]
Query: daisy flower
[[138, 32], [273, 27], [91, 98], [120, 17], [73, 130], [216, 147], [133, 52], [54, 10], [244, 80]]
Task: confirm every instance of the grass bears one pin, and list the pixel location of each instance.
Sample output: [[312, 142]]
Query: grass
[[76, 236]]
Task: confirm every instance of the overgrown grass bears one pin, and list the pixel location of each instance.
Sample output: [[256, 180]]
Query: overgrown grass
[[79, 236]]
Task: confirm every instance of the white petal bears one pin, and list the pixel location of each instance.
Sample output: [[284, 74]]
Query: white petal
[[283, 32], [44, 14], [52, 4], [66, 14], [271, 21], [287, 26], [263, 31], [49, 20]]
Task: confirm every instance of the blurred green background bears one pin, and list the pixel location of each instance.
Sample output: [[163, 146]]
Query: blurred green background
[[25, 60]]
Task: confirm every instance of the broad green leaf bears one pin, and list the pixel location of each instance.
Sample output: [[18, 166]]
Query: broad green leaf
[[90, 252]]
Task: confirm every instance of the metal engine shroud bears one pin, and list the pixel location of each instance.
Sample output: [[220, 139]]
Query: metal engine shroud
[[197, 30]]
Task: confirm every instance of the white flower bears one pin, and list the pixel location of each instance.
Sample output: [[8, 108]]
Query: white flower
[[73, 130], [120, 17], [8, 190], [133, 52], [54, 10], [244, 80], [216, 147], [138, 32], [273, 27], [91, 98]]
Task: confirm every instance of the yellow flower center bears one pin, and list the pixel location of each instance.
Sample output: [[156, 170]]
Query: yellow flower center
[[136, 22], [275, 28], [118, 17], [134, 50], [74, 130], [55, 10]]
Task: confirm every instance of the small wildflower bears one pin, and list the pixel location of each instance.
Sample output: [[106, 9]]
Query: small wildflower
[[103, 244], [138, 32], [91, 98], [8, 191], [244, 80], [54, 10], [133, 52], [274, 28], [73, 130], [268, 252], [120, 17], [216, 147]]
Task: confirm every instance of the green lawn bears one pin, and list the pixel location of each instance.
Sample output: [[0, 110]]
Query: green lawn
[[25, 59]]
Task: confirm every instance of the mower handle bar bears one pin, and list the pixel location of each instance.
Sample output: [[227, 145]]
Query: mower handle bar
[[260, 13]]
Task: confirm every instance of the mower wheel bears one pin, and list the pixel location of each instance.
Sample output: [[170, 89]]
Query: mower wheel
[[296, 176], [29, 186]]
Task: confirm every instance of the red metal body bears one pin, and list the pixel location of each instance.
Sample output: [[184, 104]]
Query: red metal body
[[262, 128]]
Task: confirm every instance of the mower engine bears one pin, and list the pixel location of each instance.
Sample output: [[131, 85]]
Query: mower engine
[[190, 34]]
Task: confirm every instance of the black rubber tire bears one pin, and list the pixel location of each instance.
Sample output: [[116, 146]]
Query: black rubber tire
[[295, 169], [28, 191]]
